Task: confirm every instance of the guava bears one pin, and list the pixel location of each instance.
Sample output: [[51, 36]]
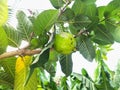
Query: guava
[[34, 43], [64, 43]]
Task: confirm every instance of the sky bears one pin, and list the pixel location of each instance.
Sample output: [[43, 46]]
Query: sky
[[78, 60]]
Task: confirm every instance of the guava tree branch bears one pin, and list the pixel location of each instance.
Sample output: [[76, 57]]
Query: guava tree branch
[[19, 52], [82, 31]]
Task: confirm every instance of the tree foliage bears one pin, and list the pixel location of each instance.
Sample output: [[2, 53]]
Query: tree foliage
[[94, 28]]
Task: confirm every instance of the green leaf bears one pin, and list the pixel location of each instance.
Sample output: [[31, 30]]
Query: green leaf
[[113, 5], [102, 35], [83, 82], [44, 21], [43, 58], [39, 61], [112, 24], [66, 64], [3, 40], [50, 67], [14, 38], [101, 11], [25, 26], [64, 85], [67, 15], [81, 21], [86, 48], [86, 7], [103, 79], [6, 80], [91, 10], [7, 77], [57, 3], [116, 34], [116, 79], [3, 11]]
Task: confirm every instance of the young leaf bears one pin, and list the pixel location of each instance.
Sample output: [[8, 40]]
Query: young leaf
[[14, 38], [44, 21], [57, 3], [25, 26], [86, 48], [66, 64], [102, 35], [3, 40], [3, 11]]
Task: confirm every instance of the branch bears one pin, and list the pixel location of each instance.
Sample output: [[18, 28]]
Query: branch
[[82, 31], [19, 52]]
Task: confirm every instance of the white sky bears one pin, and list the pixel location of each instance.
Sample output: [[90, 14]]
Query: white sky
[[78, 61]]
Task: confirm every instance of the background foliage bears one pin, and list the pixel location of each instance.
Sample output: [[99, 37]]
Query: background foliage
[[95, 30]]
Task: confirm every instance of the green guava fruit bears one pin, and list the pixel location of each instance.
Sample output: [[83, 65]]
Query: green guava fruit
[[64, 43]]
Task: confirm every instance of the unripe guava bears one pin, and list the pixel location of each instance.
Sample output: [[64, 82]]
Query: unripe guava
[[64, 43]]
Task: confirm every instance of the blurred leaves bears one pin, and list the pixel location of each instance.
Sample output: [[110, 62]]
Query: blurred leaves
[[3, 40], [3, 11]]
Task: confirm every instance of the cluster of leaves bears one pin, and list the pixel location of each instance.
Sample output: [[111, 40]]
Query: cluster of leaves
[[95, 29]]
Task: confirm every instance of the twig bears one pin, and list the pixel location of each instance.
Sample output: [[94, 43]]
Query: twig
[[19, 52], [80, 33]]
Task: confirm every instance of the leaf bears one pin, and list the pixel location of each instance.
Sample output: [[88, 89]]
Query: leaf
[[112, 25], [66, 64], [113, 5], [39, 61], [14, 38], [116, 34], [42, 58], [64, 85], [44, 21], [101, 11], [57, 3], [102, 35], [116, 79], [86, 48], [3, 40], [86, 7], [21, 70], [67, 15], [81, 21], [3, 11], [103, 77], [83, 82], [50, 67], [7, 77], [25, 26]]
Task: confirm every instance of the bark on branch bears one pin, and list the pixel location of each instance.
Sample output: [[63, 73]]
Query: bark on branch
[[19, 52]]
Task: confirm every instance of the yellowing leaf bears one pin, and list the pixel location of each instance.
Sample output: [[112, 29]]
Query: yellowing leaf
[[21, 71], [22, 63]]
